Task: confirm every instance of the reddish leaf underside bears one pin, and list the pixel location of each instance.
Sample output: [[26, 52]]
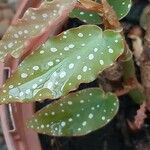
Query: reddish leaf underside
[[34, 28]]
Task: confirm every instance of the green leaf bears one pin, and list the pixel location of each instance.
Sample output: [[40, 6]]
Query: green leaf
[[30, 31], [62, 63], [86, 16], [121, 7], [76, 114]]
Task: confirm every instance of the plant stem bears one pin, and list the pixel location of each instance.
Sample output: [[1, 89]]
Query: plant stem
[[129, 75], [145, 64]]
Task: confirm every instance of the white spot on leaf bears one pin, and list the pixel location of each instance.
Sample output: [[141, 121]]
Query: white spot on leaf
[[91, 56], [90, 115], [79, 77], [63, 124], [80, 34], [62, 74], [84, 123], [53, 49], [71, 66], [36, 68], [69, 103], [50, 63], [24, 75], [85, 68], [101, 62]]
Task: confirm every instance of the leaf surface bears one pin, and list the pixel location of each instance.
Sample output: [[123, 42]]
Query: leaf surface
[[121, 7], [62, 63], [76, 114]]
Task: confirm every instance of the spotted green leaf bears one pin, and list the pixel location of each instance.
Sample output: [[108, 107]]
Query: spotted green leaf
[[121, 7], [36, 22], [76, 114], [62, 63], [86, 16]]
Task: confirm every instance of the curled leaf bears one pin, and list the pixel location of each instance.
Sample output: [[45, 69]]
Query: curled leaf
[[76, 114], [34, 28], [62, 63]]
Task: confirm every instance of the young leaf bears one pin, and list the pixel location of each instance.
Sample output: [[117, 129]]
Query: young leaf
[[27, 34], [62, 63], [76, 114], [121, 7]]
